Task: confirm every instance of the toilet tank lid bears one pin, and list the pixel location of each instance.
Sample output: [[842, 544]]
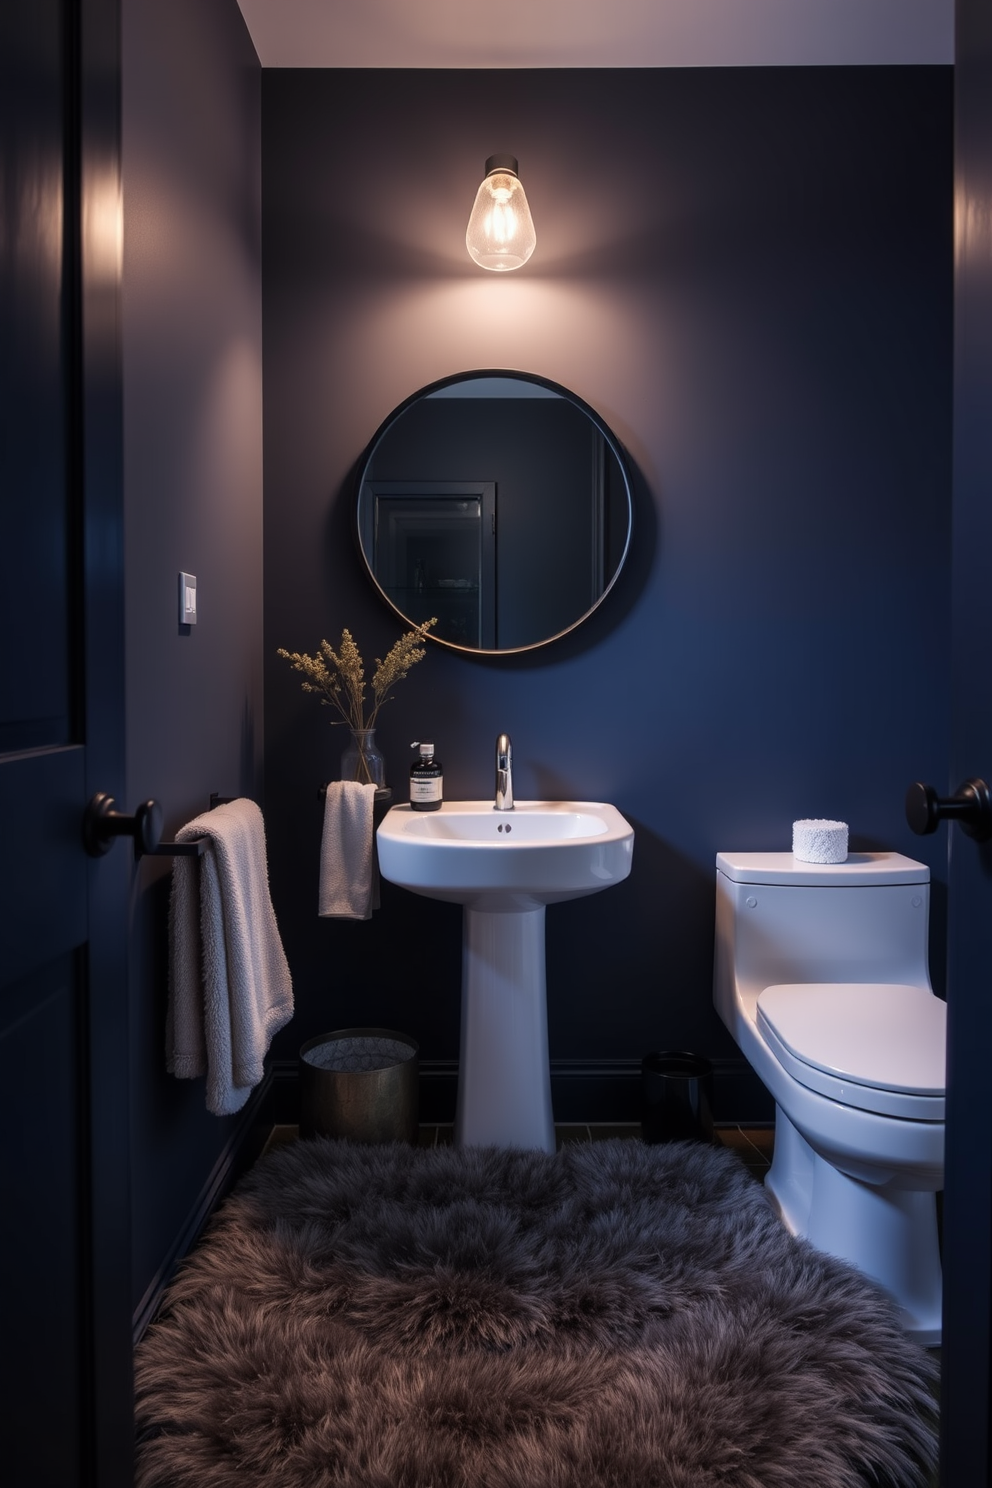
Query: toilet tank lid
[[860, 868]]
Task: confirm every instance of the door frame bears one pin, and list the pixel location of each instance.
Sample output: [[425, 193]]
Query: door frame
[[966, 1444], [94, 243]]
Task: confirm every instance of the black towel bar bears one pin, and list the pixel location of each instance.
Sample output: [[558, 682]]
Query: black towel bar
[[382, 792], [195, 847]]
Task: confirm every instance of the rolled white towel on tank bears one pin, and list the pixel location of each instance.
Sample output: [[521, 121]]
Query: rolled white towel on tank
[[818, 841]]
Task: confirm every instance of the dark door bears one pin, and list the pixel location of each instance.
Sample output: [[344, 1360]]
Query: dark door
[[967, 1457], [64, 1222]]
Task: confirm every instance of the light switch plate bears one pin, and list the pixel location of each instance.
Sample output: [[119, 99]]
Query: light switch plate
[[187, 599]]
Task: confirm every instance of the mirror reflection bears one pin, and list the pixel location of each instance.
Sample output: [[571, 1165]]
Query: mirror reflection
[[499, 502]]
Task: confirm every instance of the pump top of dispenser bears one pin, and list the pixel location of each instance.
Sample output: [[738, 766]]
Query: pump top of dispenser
[[426, 749]]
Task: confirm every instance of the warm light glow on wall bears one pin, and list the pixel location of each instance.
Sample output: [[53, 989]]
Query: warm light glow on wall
[[103, 228], [501, 232]]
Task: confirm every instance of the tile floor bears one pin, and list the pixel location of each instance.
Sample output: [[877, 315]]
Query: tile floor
[[753, 1145]]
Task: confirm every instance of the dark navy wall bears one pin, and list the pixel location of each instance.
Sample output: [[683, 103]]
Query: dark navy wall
[[193, 493], [748, 274]]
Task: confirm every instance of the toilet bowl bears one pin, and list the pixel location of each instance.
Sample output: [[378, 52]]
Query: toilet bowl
[[821, 976]]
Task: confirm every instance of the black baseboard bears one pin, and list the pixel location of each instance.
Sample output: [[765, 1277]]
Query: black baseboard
[[243, 1147], [607, 1091], [594, 1090]]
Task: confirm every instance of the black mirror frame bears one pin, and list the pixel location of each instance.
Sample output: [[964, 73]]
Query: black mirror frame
[[610, 440]]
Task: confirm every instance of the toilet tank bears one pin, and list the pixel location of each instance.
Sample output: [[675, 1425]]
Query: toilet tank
[[779, 920]]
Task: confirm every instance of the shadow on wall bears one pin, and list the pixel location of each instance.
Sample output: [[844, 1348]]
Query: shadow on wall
[[249, 770], [599, 979], [863, 842]]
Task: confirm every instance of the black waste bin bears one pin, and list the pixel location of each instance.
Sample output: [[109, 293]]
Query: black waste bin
[[676, 1097], [360, 1083]]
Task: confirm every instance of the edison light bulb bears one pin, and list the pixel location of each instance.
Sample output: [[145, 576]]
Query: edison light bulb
[[501, 232]]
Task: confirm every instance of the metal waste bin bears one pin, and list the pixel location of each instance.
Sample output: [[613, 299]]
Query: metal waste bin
[[360, 1083], [676, 1097]]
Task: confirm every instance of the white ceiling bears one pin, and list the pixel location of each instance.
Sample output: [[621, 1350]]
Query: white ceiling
[[599, 33]]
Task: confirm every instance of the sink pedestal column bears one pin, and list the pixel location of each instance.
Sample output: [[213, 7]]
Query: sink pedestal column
[[504, 1079]]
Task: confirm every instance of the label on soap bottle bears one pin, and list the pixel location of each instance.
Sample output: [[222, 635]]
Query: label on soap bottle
[[425, 790]]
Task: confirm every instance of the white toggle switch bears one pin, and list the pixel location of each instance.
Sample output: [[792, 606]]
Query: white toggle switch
[[187, 599]]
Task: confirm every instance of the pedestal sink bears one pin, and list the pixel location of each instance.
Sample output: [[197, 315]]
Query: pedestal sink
[[505, 867]]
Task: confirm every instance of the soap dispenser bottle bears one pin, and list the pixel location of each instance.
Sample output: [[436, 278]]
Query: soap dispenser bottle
[[426, 780]]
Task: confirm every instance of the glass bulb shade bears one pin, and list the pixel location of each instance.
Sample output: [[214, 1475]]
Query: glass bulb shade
[[501, 232]]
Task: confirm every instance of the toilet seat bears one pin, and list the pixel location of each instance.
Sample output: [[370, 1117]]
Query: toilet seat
[[875, 1046]]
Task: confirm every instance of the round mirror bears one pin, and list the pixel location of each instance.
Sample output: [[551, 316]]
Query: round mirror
[[498, 502]]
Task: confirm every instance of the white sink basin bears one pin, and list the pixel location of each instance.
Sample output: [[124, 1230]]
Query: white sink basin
[[538, 853], [505, 867]]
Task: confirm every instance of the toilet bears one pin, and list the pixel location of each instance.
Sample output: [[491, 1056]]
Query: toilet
[[821, 976]]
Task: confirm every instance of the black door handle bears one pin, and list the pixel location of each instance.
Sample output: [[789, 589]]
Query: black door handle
[[970, 807], [103, 823]]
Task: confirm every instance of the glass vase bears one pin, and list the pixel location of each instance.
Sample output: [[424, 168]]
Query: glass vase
[[361, 759]]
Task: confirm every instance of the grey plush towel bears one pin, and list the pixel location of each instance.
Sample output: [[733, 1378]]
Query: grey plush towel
[[349, 880], [229, 984]]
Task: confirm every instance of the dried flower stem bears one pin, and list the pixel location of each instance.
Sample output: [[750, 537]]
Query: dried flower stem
[[338, 677]]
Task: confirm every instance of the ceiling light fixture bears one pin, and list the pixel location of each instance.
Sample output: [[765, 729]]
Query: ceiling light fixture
[[501, 232]]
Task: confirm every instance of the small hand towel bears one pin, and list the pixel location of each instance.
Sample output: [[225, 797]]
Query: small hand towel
[[229, 984], [349, 879]]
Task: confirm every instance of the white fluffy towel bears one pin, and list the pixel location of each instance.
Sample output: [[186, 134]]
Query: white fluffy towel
[[229, 984], [349, 879], [819, 841]]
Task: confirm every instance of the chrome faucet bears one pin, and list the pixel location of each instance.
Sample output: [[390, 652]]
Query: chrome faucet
[[504, 774]]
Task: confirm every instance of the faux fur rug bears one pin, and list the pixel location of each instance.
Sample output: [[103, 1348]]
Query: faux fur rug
[[623, 1315]]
